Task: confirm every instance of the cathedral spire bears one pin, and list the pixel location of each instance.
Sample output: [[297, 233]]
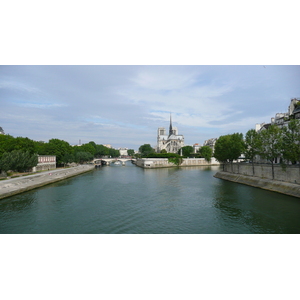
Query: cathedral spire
[[170, 128]]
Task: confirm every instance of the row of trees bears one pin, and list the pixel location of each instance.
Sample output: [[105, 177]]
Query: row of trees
[[20, 154], [187, 151], [270, 144], [18, 160]]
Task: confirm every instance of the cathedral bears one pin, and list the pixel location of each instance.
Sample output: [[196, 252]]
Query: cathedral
[[171, 142]]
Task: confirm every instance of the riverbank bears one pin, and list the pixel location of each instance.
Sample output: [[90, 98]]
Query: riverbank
[[154, 163], [18, 185], [286, 188]]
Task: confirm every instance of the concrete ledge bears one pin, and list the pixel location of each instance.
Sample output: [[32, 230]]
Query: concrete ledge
[[155, 163], [286, 188], [19, 185]]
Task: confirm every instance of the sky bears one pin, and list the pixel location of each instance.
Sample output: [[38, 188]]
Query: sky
[[123, 105], [112, 71]]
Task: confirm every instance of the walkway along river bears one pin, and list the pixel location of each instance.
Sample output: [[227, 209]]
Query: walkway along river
[[129, 199]]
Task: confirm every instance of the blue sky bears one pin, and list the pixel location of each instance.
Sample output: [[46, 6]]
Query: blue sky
[[124, 105]]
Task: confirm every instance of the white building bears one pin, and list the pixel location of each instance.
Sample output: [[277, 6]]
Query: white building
[[211, 143], [171, 142], [282, 119], [123, 151], [45, 162], [196, 147]]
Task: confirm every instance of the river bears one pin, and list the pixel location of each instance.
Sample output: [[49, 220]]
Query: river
[[129, 199]]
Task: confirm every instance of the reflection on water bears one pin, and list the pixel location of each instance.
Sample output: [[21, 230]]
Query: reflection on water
[[260, 211], [134, 200]]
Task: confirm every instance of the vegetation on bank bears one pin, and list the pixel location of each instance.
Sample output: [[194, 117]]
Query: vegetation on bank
[[146, 151], [20, 154], [271, 144], [274, 144]]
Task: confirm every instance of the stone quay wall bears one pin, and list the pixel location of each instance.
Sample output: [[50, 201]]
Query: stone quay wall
[[289, 174], [10, 187], [286, 181], [153, 163]]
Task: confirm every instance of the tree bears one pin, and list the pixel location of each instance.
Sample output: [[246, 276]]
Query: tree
[[291, 141], [271, 139], [25, 144], [229, 147], [130, 152], [59, 148], [88, 148], [113, 152], [6, 143], [186, 150], [101, 151], [206, 152], [18, 160], [146, 149], [252, 146], [221, 148], [67, 158], [83, 157]]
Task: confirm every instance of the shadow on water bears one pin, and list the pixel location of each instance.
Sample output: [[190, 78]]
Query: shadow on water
[[17, 204], [257, 210]]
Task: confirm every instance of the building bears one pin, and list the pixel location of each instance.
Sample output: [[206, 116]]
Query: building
[[108, 146], [123, 151], [282, 119], [45, 162], [1, 130], [196, 147], [211, 143], [171, 142]]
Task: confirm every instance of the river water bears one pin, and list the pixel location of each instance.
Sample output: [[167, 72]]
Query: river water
[[129, 199]]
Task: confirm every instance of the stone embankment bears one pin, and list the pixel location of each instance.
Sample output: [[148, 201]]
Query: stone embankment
[[154, 163], [288, 188], [18, 185]]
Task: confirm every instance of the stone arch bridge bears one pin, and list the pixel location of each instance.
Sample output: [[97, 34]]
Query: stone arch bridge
[[107, 161]]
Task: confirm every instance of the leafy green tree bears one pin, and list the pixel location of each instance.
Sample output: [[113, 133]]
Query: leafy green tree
[[291, 141], [40, 147], [59, 148], [130, 152], [252, 146], [221, 148], [18, 160], [206, 152], [101, 151], [186, 150], [68, 158], [271, 146], [88, 148], [113, 152], [146, 149], [163, 151], [6, 143], [83, 157], [229, 147], [25, 144]]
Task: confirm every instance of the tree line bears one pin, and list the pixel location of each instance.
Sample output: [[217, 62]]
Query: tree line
[[20, 154], [147, 151], [273, 144]]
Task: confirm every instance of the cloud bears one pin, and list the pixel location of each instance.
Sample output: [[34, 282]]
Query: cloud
[[124, 105]]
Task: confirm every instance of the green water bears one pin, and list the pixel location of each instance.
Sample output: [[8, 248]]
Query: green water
[[128, 199]]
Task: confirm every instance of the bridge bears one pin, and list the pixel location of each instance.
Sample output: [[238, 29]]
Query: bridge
[[107, 161]]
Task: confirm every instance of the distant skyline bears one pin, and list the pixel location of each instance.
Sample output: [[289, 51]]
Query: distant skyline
[[124, 105]]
